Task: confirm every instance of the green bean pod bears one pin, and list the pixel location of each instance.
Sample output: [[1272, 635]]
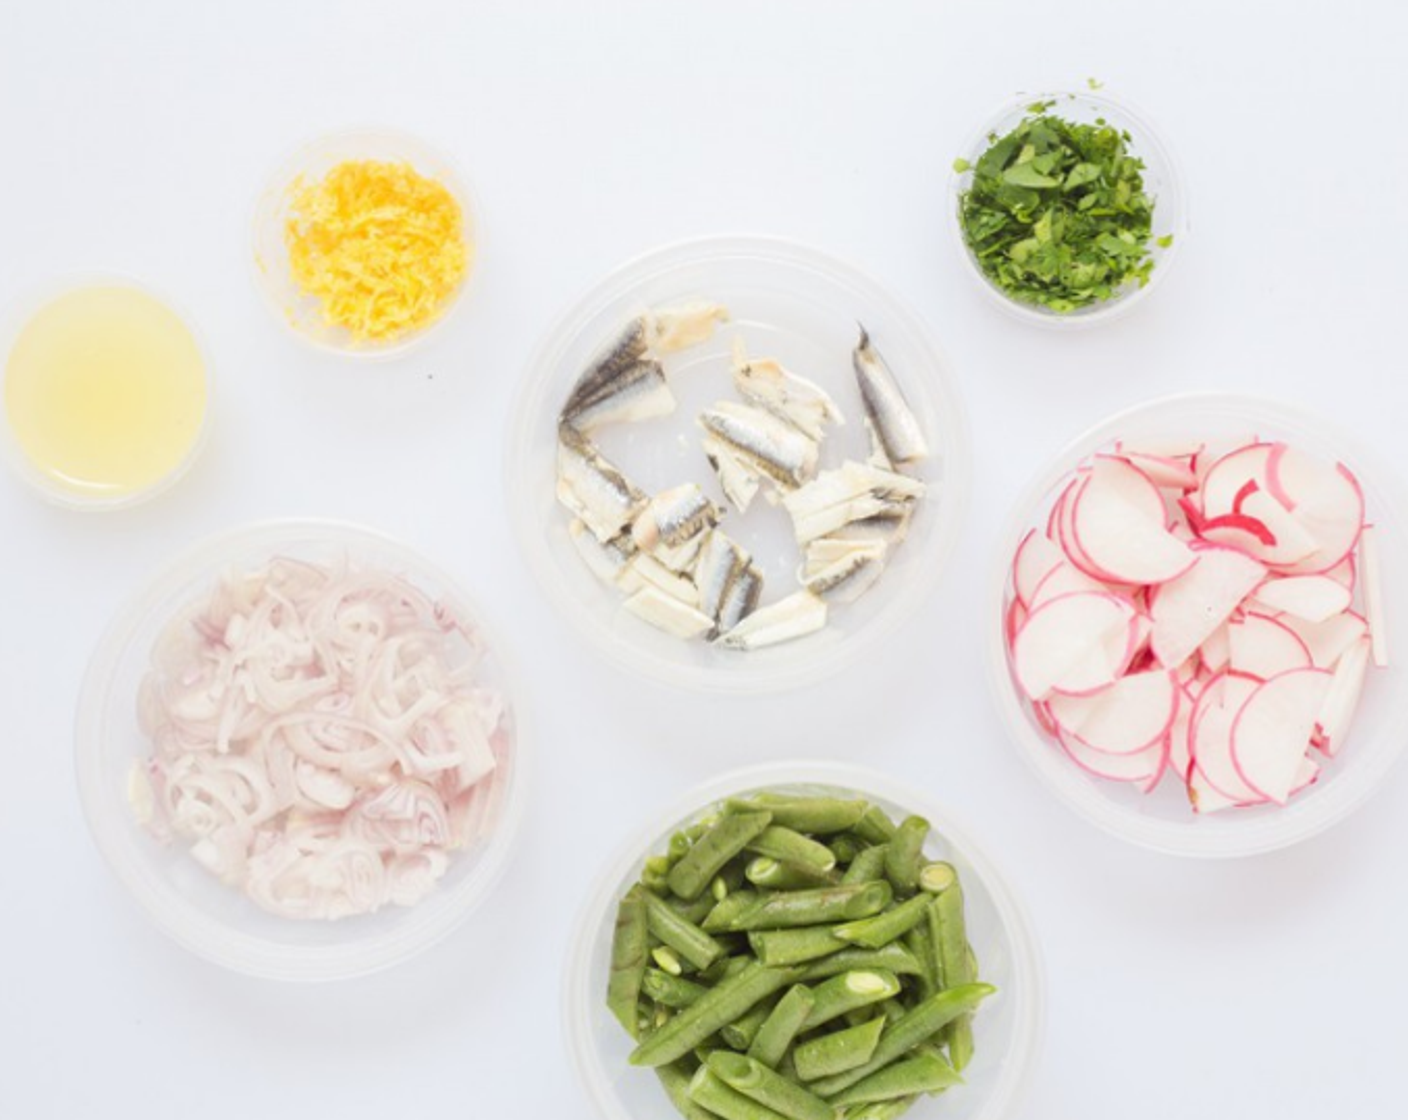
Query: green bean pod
[[714, 848], [921, 946], [882, 1110], [721, 916], [833, 998], [845, 846], [839, 1051], [949, 931], [710, 1093], [905, 854], [868, 865], [695, 911], [820, 906], [789, 846], [723, 968], [919, 1024], [759, 1083], [781, 1026], [680, 934], [923, 1073], [656, 874], [718, 1007], [892, 958], [675, 1080], [820, 815], [934, 878], [629, 952], [874, 826], [666, 959], [885, 927], [739, 1034], [672, 991], [778, 947], [770, 874]]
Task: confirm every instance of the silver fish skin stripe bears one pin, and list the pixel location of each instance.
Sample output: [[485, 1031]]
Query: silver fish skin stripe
[[627, 350], [894, 421], [592, 488], [721, 561], [740, 598], [783, 453], [672, 517], [639, 392]]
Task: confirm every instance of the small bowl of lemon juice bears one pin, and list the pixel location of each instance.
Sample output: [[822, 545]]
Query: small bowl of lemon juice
[[106, 390]]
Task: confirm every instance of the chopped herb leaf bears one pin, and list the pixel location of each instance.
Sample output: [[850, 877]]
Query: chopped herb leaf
[[960, 165], [1093, 84], [1057, 214]]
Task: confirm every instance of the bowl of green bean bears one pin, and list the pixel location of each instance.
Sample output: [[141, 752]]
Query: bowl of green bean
[[804, 940]]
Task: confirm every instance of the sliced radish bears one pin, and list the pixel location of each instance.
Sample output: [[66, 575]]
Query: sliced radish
[[1216, 651], [1345, 572], [1327, 641], [1207, 798], [1306, 776], [1373, 594], [1162, 470], [1016, 615], [1115, 532], [1229, 477], [1075, 643], [1313, 598], [1264, 647], [1210, 737], [1036, 557], [1129, 716], [1180, 758], [1062, 580], [1142, 766], [1342, 698], [1160, 448], [1272, 731], [1188, 609], [1325, 498]]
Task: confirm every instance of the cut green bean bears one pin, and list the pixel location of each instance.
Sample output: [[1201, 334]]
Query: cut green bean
[[721, 917], [839, 1051], [789, 846], [892, 958], [759, 1083], [742, 1031], [695, 911], [949, 930], [781, 1026], [905, 854], [714, 848], [678, 847], [770, 874], [628, 959], [921, 945], [778, 947], [675, 1079], [680, 934], [723, 968], [869, 865], [656, 874], [845, 846], [923, 1073], [789, 909], [720, 1006], [882, 1110], [922, 1022], [673, 991], [874, 827], [819, 815], [833, 998], [883, 928], [937, 877], [709, 1092], [665, 958]]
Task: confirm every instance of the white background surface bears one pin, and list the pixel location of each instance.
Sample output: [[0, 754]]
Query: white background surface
[[136, 136]]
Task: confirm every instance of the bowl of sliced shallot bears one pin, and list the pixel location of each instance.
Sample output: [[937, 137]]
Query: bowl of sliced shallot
[[737, 464], [298, 748], [1191, 619]]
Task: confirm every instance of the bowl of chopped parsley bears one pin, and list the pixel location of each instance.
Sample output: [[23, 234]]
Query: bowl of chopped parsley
[[1069, 208]]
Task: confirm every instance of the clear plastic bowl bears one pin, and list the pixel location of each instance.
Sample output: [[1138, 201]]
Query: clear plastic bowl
[[1009, 1027], [1162, 179], [13, 322], [1163, 820], [301, 312], [802, 307], [187, 902]]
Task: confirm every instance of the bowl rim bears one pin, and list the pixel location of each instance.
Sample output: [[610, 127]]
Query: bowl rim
[[578, 993], [1146, 136], [939, 387], [1088, 796], [208, 937], [266, 203], [17, 315]]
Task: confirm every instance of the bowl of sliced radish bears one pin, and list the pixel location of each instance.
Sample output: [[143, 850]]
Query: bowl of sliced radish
[[1190, 625], [298, 749]]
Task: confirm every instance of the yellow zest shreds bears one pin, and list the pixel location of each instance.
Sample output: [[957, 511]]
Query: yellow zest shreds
[[381, 247]]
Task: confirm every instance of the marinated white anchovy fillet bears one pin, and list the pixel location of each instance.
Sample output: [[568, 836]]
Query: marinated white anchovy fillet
[[668, 614], [672, 517], [607, 559], [737, 479], [797, 615], [770, 446], [670, 329], [885, 404], [789, 397], [592, 488]]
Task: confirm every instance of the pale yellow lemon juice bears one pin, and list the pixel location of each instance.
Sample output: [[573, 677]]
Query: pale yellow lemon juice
[[105, 394]]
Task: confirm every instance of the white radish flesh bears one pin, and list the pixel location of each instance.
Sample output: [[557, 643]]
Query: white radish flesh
[[1342, 698], [1272, 731], [1114, 531], [1313, 598], [1073, 643], [1142, 766], [1131, 715], [1264, 647], [1187, 610]]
